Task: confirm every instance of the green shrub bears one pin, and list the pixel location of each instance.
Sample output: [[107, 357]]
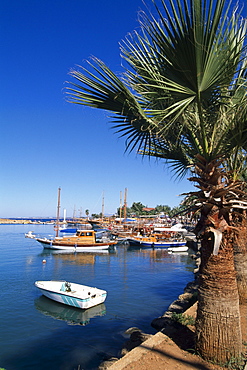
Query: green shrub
[[183, 319]]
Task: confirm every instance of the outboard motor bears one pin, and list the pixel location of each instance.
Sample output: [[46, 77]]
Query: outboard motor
[[67, 286]]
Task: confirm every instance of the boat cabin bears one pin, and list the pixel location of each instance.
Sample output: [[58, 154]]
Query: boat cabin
[[87, 235], [80, 237]]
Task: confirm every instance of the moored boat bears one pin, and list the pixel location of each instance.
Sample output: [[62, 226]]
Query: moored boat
[[82, 240], [30, 235], [178, 249], [152, 241], [72, 294]]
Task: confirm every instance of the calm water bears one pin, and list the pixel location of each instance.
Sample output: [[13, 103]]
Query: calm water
[[37, 333]]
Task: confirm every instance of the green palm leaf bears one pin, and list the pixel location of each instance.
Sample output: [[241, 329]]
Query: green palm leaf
[[186, 71]]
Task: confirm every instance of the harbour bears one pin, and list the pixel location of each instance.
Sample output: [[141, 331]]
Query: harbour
[[39, 333]]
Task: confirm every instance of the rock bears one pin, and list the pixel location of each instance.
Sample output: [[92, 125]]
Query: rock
[[131, 330], [165, 324], [137, 337], [185, 296], [108, 363]]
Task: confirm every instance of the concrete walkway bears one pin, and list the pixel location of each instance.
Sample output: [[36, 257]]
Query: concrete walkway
[[160, 353]]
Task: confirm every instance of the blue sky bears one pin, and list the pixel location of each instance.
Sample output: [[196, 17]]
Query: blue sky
[[45, 142]]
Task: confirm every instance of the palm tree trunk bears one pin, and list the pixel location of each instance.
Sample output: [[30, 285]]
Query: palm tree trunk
[[218, 329], [240, 262]]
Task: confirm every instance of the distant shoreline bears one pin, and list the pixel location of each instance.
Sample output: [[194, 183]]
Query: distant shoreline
[[7, 221]]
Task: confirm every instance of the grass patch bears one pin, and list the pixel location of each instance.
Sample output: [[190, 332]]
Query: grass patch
[[236, 363], [183, 319]]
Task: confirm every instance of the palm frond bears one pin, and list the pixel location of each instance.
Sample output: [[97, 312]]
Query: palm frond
[[188, 56], [185, 85], [103, 89]]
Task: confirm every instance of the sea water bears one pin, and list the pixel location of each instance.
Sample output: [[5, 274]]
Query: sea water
[[37, 333]]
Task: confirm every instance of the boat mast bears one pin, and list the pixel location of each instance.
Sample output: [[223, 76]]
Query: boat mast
[[125, 205], [120, 208], [58, 209], [103, 206], [74, 213]]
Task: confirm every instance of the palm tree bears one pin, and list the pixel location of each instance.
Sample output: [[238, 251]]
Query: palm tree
[[182, 98], [236, 166]]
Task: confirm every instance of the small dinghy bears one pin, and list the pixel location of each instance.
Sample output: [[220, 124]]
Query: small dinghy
[[30, 235], [71, 294], [178, 249]]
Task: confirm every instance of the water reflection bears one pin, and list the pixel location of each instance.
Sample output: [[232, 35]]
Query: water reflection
[[73, 316], [156, 253], [82, 258], [47, 252], [162, 255]]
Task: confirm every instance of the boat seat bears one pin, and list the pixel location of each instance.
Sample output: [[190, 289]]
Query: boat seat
[[63, 288]]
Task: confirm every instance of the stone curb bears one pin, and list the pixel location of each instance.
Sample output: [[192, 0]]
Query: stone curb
[[137, 353]]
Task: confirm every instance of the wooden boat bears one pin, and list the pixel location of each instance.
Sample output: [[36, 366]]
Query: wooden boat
[[153, 242], [71, 294], [82, 240]]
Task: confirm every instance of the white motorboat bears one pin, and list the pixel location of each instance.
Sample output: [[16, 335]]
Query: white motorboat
[[178, 249], [72, 294]]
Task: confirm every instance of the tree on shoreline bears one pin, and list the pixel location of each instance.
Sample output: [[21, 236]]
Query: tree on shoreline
[[183, 99], [138, 209]]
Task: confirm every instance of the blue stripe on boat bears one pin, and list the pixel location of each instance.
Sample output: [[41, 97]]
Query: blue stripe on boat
[[74, 299], [71, 301]]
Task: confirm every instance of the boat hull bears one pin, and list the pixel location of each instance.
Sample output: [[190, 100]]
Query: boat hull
[[74, 247], [80, 296], [151, 244]]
